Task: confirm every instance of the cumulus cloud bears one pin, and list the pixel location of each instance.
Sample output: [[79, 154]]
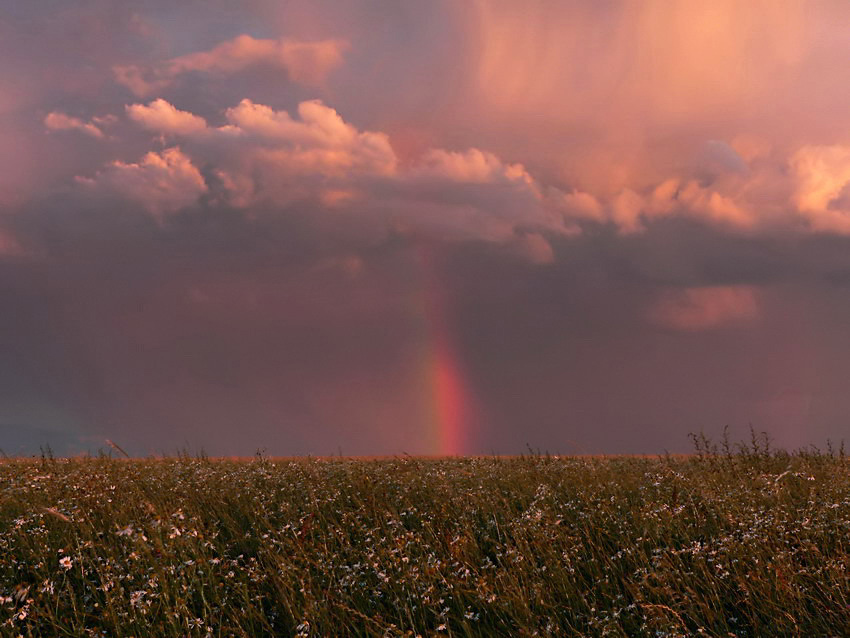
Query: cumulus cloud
[[161, 182], [267, 157], [536, 248], [578, 205], [57, 121], [470, 166], [647, 136], [319, 143], [822, 179], [162, 117], [631, 211], [705, 308], [305, 62], [692, 198], [264, 158], [626, 210]]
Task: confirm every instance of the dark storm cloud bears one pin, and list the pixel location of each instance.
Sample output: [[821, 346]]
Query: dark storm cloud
[[225, 334]]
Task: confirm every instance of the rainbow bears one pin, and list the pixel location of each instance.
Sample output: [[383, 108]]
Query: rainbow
[[448, 399]]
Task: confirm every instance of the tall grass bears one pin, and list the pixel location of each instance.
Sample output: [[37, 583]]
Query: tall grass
[[726, 542]]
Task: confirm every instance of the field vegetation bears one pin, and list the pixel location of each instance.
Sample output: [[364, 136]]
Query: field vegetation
[[729, 541]]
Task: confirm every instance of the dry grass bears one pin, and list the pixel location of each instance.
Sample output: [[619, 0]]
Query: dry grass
[[722, 543]]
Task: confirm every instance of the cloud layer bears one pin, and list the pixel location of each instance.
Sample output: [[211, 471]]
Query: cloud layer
[[305, 62], [265, 158], [706, 308], [263, 155]]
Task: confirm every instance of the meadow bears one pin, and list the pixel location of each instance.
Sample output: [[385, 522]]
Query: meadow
[[736, 541]]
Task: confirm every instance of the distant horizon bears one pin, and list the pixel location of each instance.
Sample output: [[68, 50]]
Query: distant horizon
[[733, 439], [437, 228]]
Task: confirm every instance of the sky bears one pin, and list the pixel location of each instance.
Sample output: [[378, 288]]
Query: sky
[[377, 228]]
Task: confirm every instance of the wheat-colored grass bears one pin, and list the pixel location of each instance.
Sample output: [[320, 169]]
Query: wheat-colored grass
[[747, 542]]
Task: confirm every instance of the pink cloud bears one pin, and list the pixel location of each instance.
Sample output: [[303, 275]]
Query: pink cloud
[[319, 142], [307, 63], [620, 116], [266, 157], [626, 209], [690, 198], [162, 117], [162, 182], [470, 166], [579, 205], [271, 156], [536, 248], [822, 194], [56, 121], [705, 308], [263, 155], [631, 211]]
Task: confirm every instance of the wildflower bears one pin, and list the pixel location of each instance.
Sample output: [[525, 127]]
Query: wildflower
[[65, 562]]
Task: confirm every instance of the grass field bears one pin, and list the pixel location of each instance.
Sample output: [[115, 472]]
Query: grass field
[[743, 542]]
